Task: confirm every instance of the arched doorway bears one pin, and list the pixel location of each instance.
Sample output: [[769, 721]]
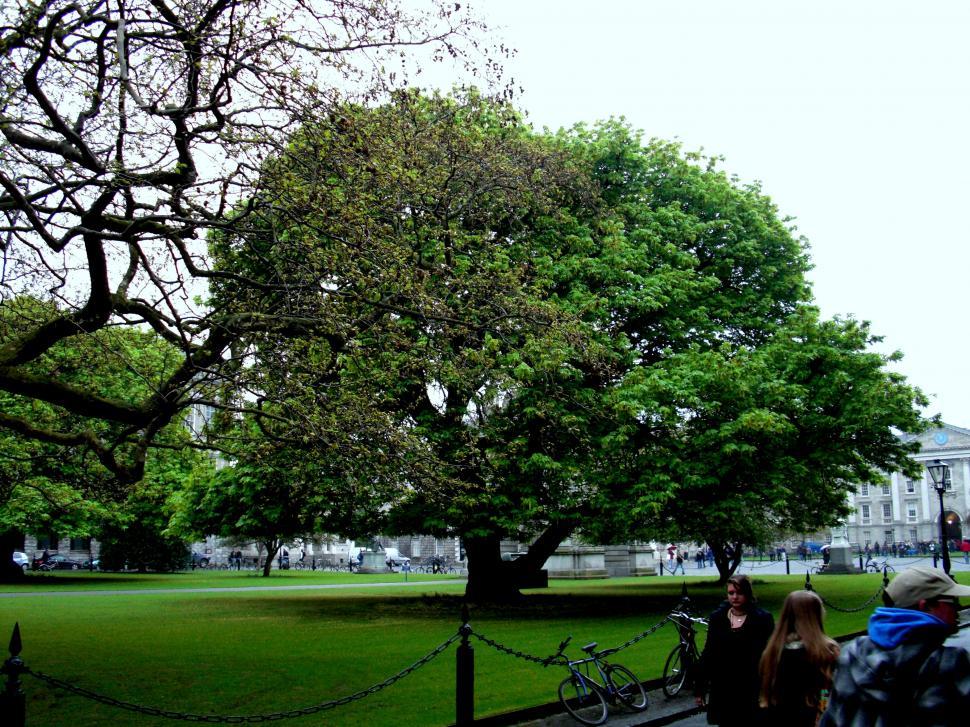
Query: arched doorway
[[953, 527]]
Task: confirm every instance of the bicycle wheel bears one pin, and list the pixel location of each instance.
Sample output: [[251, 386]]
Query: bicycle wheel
[[675, 672], [627, 688], [889, 568], [583, 701]]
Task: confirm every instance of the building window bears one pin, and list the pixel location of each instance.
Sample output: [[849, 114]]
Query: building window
[[910, 487], [888, 536], [80, 543], [947, 479], [866, 515], [885, 488], [47, 541], [912, 534], [864, 490], [911, 513], [887, 512], [867, 536]]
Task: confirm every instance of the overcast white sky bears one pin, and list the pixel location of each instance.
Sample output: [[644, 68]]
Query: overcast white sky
[[854, 115]]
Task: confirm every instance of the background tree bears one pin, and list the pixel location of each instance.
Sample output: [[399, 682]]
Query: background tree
[[137, 535], [275, 492], [131, 131], [65, 485], [762, 439]]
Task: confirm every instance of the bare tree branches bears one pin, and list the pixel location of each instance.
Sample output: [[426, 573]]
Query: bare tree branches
[[131, 130]]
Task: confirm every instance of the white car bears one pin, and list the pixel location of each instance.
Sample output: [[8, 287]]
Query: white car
[[21, 559], [394, 559]]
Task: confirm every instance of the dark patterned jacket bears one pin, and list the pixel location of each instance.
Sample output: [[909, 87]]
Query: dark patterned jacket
[[901, 675]]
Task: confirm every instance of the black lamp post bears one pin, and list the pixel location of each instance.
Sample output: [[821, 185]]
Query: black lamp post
[[939, 472]]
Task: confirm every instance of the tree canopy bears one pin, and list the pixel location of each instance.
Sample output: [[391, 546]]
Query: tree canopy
[[134, 130], [552, 273]]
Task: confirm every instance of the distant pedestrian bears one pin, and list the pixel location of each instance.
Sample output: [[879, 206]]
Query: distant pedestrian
[[699, 558], [965, 549], [796, 667], [709, 553], [680, 564]]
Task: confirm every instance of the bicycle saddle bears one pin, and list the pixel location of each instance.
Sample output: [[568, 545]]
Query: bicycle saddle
[[590, 648]]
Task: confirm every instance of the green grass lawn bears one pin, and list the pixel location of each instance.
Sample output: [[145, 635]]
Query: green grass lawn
[[266, 651]]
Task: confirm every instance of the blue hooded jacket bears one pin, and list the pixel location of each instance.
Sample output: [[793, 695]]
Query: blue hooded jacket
[[901, 675]]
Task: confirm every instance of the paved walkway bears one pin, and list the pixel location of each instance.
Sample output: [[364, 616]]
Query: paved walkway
[[680, 710], [800, 567]]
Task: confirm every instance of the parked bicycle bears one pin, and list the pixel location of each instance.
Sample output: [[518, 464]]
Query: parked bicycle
[[593, 682], [681, 664], [878, 566]]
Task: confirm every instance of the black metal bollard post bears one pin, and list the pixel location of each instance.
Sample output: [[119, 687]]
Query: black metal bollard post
[[13, 701], [787, 567], [808, 582], [861, 567], [935, 559], [465, 675]]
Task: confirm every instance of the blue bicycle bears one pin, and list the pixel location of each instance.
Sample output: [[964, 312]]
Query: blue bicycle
[[593, 682]]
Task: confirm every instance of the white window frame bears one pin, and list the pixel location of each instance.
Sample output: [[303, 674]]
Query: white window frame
[[885, 489], [887, 512], [866, 513], [910, 487], [912, 511], [864, 489]]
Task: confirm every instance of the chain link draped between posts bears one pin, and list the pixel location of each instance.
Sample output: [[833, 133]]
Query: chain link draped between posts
[[869, 602], [242, 719]]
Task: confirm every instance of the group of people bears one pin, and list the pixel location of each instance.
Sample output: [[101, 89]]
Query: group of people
[[756, 672], [676, 557]]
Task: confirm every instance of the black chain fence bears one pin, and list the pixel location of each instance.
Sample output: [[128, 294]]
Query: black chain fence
[[843, 609], [242, 719]]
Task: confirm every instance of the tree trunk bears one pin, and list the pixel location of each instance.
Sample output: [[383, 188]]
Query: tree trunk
[[272, 548], [492, 579], [727, 558]]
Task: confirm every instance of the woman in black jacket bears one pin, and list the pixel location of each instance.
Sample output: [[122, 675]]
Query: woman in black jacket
[[737, 634]]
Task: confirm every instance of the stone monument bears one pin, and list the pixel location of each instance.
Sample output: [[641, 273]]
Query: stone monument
[[840, 553]]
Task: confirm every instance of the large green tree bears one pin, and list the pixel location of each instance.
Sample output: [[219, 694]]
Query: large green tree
[[548, 267]]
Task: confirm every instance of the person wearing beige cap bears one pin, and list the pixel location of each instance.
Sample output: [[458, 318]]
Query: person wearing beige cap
[[902, 673]]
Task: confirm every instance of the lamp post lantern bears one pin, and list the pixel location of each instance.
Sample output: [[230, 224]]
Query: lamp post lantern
[[939, 473]]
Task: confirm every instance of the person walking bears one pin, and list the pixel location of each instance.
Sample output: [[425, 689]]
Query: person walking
[[902, 673], [797, 664], [728, 668], [699, 558], [965, 549], [680, 564]]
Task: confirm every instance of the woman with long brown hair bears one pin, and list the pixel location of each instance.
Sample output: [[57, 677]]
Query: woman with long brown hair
[[796, 667]]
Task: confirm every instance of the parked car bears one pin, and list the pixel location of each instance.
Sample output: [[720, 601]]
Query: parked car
[[56, 561], [21, 559], [89, 564]]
